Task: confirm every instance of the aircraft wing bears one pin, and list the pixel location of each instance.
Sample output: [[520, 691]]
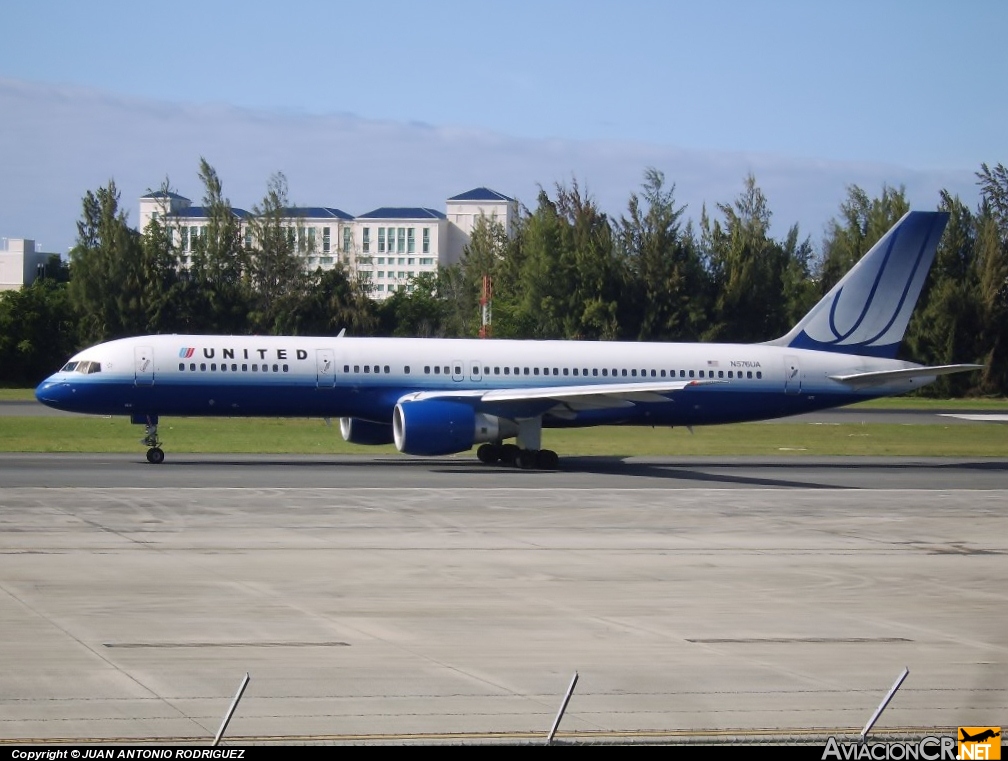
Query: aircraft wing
[[881, 377], [574, 398]]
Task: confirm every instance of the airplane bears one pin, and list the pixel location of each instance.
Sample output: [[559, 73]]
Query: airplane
[[443, 396], [979, 737]]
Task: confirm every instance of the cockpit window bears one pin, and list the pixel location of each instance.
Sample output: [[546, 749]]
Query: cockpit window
[[86, 367]]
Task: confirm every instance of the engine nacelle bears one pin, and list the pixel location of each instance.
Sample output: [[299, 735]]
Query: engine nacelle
[[358, 431], [436, 427]]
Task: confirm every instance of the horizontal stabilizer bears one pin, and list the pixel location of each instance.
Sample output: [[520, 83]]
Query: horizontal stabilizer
[[881, 377]]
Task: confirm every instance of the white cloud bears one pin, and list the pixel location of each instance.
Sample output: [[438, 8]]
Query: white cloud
[[58, 142]]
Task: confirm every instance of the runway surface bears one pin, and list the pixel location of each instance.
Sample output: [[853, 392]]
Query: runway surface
[[417, 600]]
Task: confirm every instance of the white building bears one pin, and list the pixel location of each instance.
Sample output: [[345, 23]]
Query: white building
[[390, 245], [394, 245], [20, 263]]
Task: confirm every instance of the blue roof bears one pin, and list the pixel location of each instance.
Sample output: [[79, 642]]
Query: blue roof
[[317, 212], [481, 194], [200, 212], [400, 212], [165, 194]]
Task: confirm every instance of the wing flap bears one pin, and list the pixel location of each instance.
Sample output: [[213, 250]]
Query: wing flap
[[584, 397]]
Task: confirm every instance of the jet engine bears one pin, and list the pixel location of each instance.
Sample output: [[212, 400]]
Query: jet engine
[[436, 427], [358, 431]]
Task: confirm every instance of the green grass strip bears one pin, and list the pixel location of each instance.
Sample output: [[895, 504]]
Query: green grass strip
[[302, 436]]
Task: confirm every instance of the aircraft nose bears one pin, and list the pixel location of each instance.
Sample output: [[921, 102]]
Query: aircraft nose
[[54, 393]]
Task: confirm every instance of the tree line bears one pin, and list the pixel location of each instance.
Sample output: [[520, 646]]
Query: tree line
[[568, 270]]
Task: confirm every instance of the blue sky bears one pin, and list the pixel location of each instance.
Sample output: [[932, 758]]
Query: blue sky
[[394, 103]]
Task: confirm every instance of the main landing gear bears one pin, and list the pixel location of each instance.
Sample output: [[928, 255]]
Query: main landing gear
[[526, 459], [155, 455]]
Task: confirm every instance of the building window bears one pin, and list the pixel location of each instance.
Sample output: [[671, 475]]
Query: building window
[[367, 240], [381, 241], [426, 240], [326, 240], [410, 242], [347, 239], [426, 261], [185, 238], [248, 240], [401, 240]]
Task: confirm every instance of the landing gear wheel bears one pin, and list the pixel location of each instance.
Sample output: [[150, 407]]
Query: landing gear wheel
[[488, 453], [508, 454], [546, 459], [526, 459], [155, 455]]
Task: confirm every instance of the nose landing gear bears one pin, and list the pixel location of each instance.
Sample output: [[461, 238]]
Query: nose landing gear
[[155, 454]]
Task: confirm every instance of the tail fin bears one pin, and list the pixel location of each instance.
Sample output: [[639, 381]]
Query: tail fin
[[867, 312]]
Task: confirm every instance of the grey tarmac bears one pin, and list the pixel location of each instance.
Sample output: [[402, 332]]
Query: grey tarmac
[[436, 600]]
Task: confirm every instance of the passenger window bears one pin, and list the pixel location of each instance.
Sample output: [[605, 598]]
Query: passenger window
[[535, 370], [356, 368], [691, 373], [244, 368], [526, 371], [346, 368], [214, 367], [255, 368], [605, 372], [663, 373], [437, 369], [720, 373], [624, 372], [507, 370], [748, 374], [759, 374], [406, 370], [567, 373], [286, 368], [276, 369], [426, 369], [202, 366], [181, 366], [234, 368]]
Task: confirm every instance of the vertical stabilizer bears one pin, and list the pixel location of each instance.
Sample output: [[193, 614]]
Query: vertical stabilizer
[[867, 312]]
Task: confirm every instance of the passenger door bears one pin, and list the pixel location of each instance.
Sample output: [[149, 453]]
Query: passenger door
[[143, 366]]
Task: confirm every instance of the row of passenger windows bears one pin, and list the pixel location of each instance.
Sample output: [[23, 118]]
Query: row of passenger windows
[[604, 372], [224, 367]]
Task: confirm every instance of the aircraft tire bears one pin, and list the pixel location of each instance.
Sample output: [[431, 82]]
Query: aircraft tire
[[155, 455], [546, 459], [509, 453], [525, 459], [488, 454]]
